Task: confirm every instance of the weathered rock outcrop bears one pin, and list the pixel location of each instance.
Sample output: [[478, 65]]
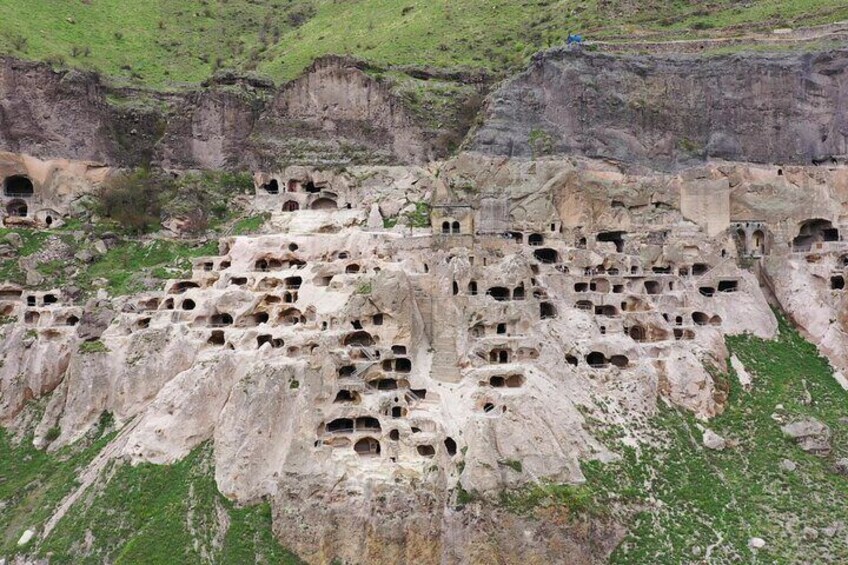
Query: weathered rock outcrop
[[667, 111], [52, 114], [380, 386], [334, 113]]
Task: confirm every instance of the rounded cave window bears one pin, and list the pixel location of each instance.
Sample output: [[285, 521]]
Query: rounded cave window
[[18, 185]]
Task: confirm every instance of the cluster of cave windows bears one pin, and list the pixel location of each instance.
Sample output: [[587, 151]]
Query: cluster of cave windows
[[323, 203], [19, 188], [451, 227], [271, 187], [546, 255], [506, 381], [723, 286], [751, 239], [502, 355], [615, 237], [598, 360], [292, 186], [371, 447], [503, 294], [363, 434], [533, 239]]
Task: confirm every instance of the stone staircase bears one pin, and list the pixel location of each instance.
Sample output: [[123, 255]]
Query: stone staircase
[[445, 366]]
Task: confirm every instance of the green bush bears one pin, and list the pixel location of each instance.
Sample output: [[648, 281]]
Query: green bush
[[523, 500], [541, 142], [420, 217], [513, 464], [250, 224], [95, 346], [299, 15], [132, 201], [52, 434]]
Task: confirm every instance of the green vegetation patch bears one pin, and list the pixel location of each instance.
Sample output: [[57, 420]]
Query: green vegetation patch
[[137, 202], [94, 346], [251, 224], [541, 143], [31, 242], [164, 514], [684, 502], [125, 267], [33, 483], [420, 216], [159, 42], [575, 498]]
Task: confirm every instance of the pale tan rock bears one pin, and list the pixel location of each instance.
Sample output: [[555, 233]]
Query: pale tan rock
[[467, 358]]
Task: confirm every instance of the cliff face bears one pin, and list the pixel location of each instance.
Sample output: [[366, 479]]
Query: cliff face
[[667, 111], [334, 100], [661, 111], [52, 114], [334, 113]]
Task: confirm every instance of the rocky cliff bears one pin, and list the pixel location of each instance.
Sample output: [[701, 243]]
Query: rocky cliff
[[334, 113], [485, 359], [667, 111]]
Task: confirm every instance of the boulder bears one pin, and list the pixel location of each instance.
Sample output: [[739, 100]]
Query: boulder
[[96, 317], [756, 543], [34, 278], [841, 466], [810, 434], [14, 239], [26, 537], [714, 441]]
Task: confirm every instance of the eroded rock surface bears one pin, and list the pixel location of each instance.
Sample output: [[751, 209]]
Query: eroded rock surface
[[668, 110], [338, 364], [404, 342], [334, 113]]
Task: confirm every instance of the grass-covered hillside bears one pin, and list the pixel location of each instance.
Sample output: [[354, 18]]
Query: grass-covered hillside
[[143, 514], [685, 503], [166, 42]]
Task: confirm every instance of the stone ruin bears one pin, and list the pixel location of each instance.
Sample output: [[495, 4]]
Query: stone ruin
[[40, 194]]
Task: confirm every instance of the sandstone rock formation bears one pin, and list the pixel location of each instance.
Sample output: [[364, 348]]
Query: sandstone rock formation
[[811, 435], [334, 113], [672, 110], [405, 340], [335, 361]]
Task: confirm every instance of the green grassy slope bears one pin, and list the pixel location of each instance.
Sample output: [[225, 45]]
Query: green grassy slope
[[165, 514], [162, 42], [683, 503], [143, 514], [33, 483]]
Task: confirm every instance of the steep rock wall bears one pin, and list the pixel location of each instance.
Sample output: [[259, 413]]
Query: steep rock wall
[[334, 113], [668, 111], [52, 114]]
